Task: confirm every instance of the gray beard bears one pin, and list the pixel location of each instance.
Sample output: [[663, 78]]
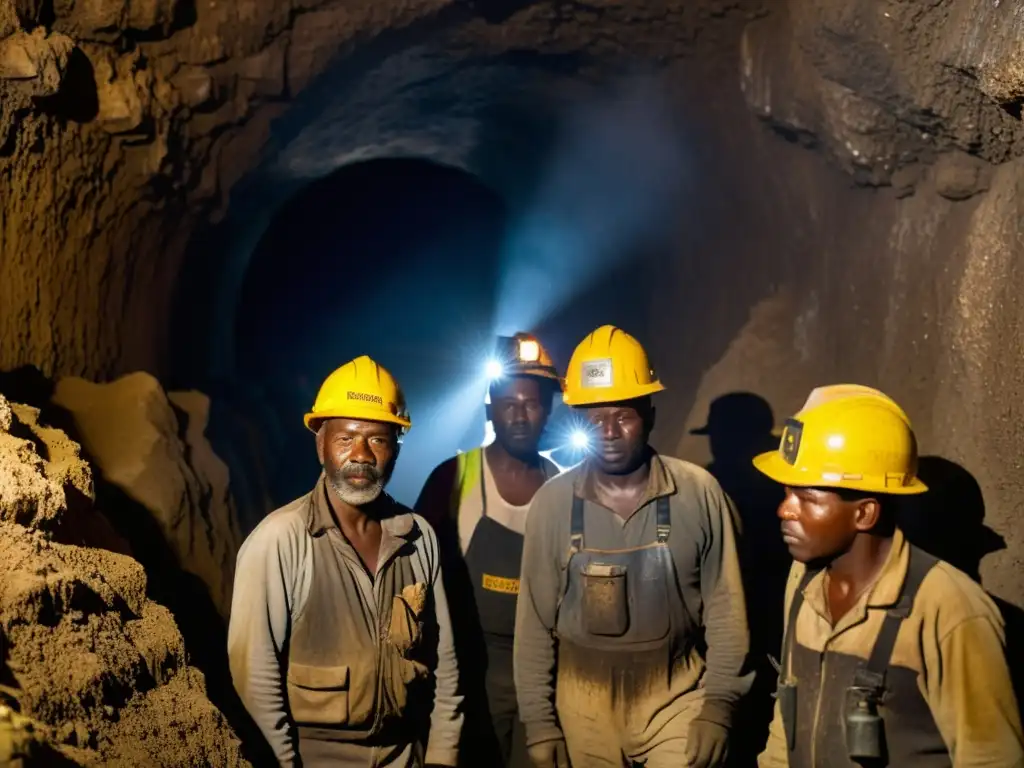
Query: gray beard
[[355, 497]]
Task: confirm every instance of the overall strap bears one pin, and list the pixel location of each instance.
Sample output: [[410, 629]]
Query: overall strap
[[790, 632], [468, 464], [576, 525], [664, 521], [871, 675]]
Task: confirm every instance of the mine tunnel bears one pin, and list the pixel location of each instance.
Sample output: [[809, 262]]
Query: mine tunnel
[[205, 208]]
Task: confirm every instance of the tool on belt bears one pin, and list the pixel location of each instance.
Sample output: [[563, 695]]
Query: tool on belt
[[865, 726]]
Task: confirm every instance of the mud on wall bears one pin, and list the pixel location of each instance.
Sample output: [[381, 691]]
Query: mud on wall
[[902, 273], [95, 672]]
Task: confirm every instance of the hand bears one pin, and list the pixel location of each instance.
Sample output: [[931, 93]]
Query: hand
[[707, 744], [549, 754]]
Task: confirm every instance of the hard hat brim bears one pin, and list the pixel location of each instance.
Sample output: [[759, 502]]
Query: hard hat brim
[[537, 372], [313, 418], [772, 465], [606, 396]]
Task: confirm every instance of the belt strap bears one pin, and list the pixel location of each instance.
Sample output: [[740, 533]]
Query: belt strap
[[872, 674], [663, 522]]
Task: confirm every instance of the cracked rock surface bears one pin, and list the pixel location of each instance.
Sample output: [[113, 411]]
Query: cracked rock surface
[[94, 672]]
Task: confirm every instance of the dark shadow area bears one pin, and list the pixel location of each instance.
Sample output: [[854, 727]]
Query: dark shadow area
[[479, 744], [739, 427], [948, 522], [77, 100], [26, 385], [392, 258]]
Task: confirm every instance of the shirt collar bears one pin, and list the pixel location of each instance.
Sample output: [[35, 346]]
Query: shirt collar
[[659, 482], [885, 592], [320, 517]]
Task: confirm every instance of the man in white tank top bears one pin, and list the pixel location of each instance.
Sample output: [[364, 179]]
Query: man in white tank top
[[477, 501]]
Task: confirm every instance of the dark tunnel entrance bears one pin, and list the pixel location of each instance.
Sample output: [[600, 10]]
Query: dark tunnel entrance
[[397, 259], [420, 266]]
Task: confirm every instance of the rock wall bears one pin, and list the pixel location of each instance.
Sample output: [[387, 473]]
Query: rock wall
[[97, 669], [152, 447]]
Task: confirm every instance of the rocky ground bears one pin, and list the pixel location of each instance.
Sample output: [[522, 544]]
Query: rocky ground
[[94, 672]]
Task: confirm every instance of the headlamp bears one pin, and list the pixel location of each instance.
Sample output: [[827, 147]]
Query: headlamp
[[579, 439], [529, 351]]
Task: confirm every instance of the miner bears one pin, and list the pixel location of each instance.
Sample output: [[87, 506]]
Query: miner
[[631, 634], [890, 656], [339, 641], [478, 503]]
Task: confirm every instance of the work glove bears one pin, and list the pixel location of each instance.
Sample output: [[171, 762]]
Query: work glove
[[707, 744], [549, 754]]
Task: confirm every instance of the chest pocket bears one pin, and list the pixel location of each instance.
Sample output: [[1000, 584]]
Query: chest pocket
[[318, 695], [619, 599]]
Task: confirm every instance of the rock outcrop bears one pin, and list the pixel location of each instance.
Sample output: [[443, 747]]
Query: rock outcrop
[[883, 88], [97, 670], [152, 447]]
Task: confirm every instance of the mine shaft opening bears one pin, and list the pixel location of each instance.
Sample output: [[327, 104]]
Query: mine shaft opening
[[394, 258], [416, 264]]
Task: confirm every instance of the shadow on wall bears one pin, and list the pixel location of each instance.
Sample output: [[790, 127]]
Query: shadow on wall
[[739, 426], [948, 521]]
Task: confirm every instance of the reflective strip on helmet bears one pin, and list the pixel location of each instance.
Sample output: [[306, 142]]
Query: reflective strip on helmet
[[596, 373], [789, 446]]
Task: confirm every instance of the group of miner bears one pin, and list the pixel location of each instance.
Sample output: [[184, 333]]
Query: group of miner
[[596, 617]]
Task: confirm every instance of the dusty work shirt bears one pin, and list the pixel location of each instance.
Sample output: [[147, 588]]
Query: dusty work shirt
[[947, 672], [297, 560], [703, 547]]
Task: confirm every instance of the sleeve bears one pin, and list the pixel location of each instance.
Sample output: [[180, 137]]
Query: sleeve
[[447, 717], [534, 648], [725, 612], [776, 752], [434, 502], [971, 696], [265, 597]]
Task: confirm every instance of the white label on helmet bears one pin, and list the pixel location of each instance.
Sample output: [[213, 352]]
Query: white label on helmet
[[597, 373]]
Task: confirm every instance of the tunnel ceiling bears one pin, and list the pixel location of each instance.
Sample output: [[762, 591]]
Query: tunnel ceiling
[[126, 126]]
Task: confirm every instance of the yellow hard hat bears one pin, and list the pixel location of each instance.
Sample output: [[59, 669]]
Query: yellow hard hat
[[360, 389], [608, 366], [847, 436]]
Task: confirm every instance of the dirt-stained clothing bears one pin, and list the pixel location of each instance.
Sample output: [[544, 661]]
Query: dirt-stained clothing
[[948, 697], [338, 668], [644, 617]]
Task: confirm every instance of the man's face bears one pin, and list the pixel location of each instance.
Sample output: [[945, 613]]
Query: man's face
[[358, 457], [619, 432], [519, 411], [818, 525]]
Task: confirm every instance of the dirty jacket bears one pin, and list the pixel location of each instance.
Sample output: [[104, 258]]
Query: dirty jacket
[[703, 547], [319, 651], [949, 700]]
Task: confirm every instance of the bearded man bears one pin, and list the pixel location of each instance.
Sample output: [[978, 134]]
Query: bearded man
[[339, 641]]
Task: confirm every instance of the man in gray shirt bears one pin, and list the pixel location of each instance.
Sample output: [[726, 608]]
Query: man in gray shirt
[[631, 634], [339, 641]]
